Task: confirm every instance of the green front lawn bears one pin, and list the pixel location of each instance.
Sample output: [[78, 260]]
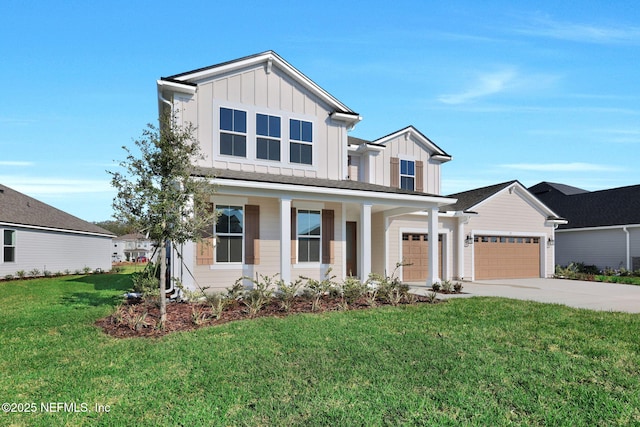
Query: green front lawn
[[478, 361]]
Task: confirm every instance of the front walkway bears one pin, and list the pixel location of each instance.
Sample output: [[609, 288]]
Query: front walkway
[[573, 293]]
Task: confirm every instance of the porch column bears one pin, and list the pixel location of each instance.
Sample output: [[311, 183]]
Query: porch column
[[285, 239], [460, 247], [365, 232], [433, 246]]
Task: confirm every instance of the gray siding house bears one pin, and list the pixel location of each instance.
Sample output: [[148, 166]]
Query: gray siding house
[[38, 236], [603, 228]]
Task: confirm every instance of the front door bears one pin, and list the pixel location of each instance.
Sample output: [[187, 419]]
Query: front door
[[352, 248]]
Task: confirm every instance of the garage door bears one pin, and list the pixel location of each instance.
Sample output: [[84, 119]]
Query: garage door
[[415, 251], [498, 257]]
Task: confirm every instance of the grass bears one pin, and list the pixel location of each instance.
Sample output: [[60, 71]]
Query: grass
[[626, 280], [478, 361]]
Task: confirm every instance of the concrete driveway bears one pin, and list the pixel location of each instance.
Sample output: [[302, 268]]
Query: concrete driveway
[[573, 293]]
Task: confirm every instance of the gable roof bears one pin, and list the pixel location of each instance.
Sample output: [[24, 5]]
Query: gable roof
[[18, 209], [409, 131], [471, 199], [613, 207], [269, 59]]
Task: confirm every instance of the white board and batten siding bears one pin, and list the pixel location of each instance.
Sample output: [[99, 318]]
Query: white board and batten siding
[[257, 91], [56, 251]]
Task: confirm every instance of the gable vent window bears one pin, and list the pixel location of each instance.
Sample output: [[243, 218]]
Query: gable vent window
[[301, 136], [233, 132], [268, 137], [407, 174]]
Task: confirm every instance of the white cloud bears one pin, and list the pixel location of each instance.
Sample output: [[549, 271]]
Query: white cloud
[[15, 163], [584, 33], [486, 84], [39, 186], [561, 167]]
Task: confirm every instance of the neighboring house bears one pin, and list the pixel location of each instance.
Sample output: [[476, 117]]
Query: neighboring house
[[131, 248], [603, 228], [38, 236], [298, 197]]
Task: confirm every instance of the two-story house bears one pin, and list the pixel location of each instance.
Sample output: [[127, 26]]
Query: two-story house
[[132, 247], [297, 196]]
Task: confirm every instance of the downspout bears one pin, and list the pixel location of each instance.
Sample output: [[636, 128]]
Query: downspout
[[628, 251], [171, 289]]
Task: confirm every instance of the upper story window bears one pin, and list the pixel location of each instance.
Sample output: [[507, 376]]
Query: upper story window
[[229, 233], [9, 246], [407, 174], [267, 137], [233, 132], [309, 235], [301, 145]]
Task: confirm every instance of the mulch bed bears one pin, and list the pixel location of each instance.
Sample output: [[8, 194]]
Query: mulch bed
[[180, 315]]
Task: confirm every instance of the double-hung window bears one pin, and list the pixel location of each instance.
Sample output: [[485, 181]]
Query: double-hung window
[[267, 137], [229, 233], [233, 132], [9, 246], [407, 174], [309, 235], [301, 145]]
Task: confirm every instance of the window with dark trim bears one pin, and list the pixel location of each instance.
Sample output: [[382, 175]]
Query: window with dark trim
[[301, 145], [233, 132], [9, 246], [267, 137], [229, 233]]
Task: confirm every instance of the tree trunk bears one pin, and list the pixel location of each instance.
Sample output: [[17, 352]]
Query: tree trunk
[[163, 281]]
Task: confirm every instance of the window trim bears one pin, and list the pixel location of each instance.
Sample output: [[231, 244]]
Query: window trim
[[406, 175], [301, 141], [232, 132], [5, 246], [269, 138], [308, 236], [216, 234]]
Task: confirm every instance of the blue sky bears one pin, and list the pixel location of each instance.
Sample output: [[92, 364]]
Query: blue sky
[[535, 91]]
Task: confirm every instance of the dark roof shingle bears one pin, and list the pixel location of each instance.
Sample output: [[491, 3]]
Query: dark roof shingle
[[20, 209]]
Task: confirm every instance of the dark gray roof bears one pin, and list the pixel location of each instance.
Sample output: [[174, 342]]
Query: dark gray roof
[[545, 187], [20, 209], [470, 198], [303, 181], [616, 206]]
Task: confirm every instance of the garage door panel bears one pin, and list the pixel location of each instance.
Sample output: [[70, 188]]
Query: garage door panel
[[506, 257], [415, 251]]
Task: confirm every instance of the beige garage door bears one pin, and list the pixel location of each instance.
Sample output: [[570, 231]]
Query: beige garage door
[[415, 251], [498, 257]]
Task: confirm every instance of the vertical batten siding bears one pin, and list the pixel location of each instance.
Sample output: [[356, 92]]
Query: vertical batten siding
[[378, 244], [409, 149], [57, 252]]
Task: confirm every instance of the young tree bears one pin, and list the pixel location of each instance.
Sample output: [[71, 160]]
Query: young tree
[[158, 194]]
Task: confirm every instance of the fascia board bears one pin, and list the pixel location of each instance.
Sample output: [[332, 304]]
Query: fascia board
[[176, 87], [522, 192], [421, 138], [601, 228], [265, 58], [59, 230]]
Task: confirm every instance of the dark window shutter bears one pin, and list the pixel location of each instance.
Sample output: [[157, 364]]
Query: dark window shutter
[[204, 247], [252, 234], [395, 172], [327, 236], [419, 175], [294, 235]]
